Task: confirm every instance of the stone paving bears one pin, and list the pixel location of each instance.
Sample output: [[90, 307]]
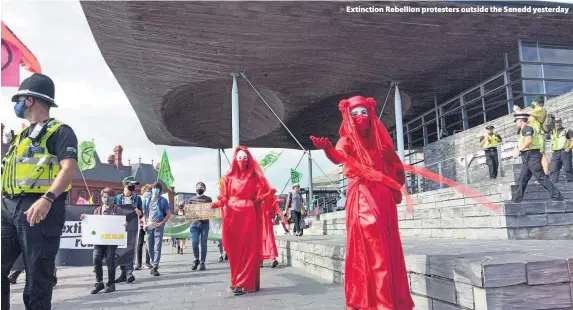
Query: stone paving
[[180, 288]]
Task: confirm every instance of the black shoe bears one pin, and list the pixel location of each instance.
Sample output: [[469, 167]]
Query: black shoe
[[130, 279], [226, 257], [275, 264], [195, 265], [154, 272], [181, 251], [238, 291], [12, 280], [148, 266], [110, 288], [221, 259], [122, 278], [178, 250], [202, 266], [97, 288], [138, 267]]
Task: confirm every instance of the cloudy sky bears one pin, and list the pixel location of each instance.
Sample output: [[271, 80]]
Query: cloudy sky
[[91, 101]]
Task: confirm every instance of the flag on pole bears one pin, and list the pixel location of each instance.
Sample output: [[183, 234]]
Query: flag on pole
[[86, 156], [269, 159], [295, 176], [165, 171], [14, 55]]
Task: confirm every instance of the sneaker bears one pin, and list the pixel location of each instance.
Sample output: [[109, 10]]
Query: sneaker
[[238, 291], [97, 288], [122, 278], [202, 266], [110, 288], [221, 259], [275, 264], [178, 250], [154, 272], [130, 279], [181, 251], [195, 265], [148, 266]]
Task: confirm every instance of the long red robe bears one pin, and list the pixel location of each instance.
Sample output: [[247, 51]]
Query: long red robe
[[269, 245], [241, 234]]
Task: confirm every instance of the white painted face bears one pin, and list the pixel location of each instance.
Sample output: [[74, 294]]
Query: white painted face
[[359, 111], [241, 155]]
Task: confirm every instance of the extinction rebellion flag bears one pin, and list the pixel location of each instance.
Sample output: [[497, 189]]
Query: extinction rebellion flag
[[295, 176], [269, 159]]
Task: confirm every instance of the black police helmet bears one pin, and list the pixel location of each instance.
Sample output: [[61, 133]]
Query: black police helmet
[[38, 86]]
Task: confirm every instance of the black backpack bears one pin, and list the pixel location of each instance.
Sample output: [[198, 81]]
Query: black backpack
[[549, 124]]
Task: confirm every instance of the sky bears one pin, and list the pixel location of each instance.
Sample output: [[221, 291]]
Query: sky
[[91, 101]]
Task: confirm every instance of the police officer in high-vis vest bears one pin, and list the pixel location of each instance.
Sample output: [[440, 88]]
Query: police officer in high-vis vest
[[489, 143], [529, 142], [37, 174], [561, 144]]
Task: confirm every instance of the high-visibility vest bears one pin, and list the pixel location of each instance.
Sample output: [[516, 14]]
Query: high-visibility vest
[[491, 141], [536, 140], [30, 169], [559, 140]]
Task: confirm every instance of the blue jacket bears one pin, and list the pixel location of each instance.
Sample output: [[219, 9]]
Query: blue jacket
[[163, 205]]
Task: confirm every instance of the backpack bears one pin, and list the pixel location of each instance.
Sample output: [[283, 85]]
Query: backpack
[[549, 124]]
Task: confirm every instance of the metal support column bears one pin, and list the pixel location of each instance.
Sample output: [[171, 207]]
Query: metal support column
[[438, 133], [235, 111], [399, 123], [310, 187], [219, 163]]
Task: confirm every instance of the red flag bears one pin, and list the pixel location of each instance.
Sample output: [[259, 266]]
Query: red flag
[[11, 58]]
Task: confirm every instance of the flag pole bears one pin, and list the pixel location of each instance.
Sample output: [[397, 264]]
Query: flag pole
[[86, 183]]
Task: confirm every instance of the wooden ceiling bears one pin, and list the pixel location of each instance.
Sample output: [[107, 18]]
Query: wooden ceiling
[[174, 60]]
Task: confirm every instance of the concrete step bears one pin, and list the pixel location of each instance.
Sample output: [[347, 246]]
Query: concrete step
[[458, 274]]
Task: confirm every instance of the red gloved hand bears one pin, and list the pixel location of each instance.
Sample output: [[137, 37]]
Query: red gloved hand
[[321, 143]]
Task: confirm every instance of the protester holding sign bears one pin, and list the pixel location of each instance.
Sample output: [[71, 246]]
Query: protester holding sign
[[128, 197], [156, 212], [200, 228], [107, 208]]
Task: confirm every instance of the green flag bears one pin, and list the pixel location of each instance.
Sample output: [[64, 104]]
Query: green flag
[[295, 176], [86, 156], [269, 159], [165, 171]]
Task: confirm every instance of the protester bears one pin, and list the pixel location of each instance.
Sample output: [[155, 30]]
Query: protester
[[34, 191], [489, 143], [375, 272], [180, 241], [145, 192], [156, 212], [200, 229], [240, 191], [529, 141], [295, 203], [107, 208], [561, 144], [128, 197]]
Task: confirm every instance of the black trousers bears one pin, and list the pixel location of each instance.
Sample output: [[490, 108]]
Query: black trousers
[[296, 217], [109, 252], [532, 167], [561, 159], [140, 240], [492, 161], [38, 245]]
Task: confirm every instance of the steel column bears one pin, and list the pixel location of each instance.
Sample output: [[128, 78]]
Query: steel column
[[219, 163], [399, 123], [235, 111], [310, 187]]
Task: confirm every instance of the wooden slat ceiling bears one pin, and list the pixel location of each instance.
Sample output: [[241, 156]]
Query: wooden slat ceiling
[[174, 59]]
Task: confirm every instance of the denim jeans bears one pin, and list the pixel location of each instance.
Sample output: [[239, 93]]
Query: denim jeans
[[220, 245], [200, 231], [154, 243]]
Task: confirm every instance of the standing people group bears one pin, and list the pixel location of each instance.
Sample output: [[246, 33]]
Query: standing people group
[[37, 174]]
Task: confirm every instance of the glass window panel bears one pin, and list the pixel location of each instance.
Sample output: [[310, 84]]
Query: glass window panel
[[557, 55], [517, 89], [453, 122], [529, 53], [532, 86], [475, 120], [476, 109], [415, 123], [515, 74], [431, 127], [513, 57], [493, 84], [472, 95], [558, 88], [495, 98], [432, 138], [450, 106], [428, 118], [532, 71], [558, 72], [518, 102], [496, 112]]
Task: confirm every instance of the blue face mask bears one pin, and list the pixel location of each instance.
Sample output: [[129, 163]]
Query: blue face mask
[[147, 194], [156, 191], [20, 108]]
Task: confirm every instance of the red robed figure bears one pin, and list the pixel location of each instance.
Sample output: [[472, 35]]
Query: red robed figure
[[243, 190], [375, 273]]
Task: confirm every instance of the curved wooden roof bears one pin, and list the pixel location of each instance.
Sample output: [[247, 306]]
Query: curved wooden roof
[[174, 59]]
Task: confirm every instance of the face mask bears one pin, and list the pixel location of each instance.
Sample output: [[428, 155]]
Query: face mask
[[200, 191], [147, 194], [20, 109], [156, 191], [532, 106], [362, 122], [131, 188], [108, 201]]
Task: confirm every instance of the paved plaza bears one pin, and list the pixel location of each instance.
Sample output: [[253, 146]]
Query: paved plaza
[[180, 288]]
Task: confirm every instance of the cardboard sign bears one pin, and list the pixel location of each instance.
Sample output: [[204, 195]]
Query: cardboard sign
[[201, 211], [104, 230]]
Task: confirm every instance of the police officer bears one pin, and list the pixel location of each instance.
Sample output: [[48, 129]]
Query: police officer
[[36, 178], [489, 143], [561, 144], [529, 142]]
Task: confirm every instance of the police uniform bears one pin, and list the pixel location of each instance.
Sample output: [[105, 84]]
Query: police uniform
[[29, 168], [490, 148], [561, 140], [531, 159]]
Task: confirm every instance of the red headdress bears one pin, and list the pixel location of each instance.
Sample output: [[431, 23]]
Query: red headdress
[[253, 167]]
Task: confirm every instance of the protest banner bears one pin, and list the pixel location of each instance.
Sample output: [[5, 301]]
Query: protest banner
[[104, 230], [177, 227], [201, 211]]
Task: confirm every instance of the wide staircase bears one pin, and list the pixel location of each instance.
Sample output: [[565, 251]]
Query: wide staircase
[[460, 254]]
